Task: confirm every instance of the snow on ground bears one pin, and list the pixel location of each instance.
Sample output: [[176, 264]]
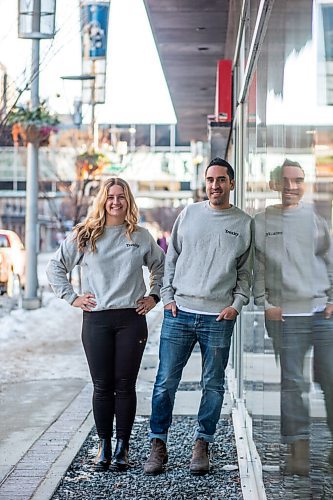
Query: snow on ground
[[42, 344], [46, 343]]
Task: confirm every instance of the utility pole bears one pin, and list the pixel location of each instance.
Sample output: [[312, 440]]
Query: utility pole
[[31, 301], [29, 26]]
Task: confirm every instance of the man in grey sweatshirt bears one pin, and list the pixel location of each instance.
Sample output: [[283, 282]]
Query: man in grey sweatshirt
[[205, 285], [294, 283]]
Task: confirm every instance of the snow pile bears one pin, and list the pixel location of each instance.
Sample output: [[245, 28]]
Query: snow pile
[[46, 343], [41, 344]]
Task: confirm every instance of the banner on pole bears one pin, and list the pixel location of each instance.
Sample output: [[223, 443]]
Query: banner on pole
[[94, 17]]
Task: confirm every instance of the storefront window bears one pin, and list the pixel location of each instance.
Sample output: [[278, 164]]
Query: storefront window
[[288, 178]]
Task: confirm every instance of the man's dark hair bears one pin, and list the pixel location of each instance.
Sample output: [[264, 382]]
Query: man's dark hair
[[222, 163], [290, 163], [276, 174]]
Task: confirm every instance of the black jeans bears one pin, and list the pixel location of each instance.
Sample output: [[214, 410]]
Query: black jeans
[[114, 341]]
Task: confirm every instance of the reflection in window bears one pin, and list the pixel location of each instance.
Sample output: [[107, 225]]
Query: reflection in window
[[326, 19]]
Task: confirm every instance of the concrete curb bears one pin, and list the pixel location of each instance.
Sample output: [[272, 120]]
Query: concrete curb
[[43, 465], [57, 471]]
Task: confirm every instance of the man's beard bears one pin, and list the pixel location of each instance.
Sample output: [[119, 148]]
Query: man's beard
[[217, 201]]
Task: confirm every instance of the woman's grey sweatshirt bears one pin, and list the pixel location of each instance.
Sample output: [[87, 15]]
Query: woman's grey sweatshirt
[[293, 260], [113, 273], [208, 262]]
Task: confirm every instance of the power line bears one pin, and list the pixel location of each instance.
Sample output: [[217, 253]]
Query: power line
[[45, 61]]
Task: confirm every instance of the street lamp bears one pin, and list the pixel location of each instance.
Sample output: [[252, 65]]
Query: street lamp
[[36, 21], [82, 78]]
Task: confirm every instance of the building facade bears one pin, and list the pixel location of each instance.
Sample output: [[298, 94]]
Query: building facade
[[282, 112]]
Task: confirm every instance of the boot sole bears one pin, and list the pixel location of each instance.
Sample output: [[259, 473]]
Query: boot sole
[[159, 471], [156, 473], [297, 472], [120, 467], [199, 473], [101, 467]]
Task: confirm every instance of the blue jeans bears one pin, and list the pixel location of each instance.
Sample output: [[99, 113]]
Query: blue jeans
[[178, 338], [292, 339]]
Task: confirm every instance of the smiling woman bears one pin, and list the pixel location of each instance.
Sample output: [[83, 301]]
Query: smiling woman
[[111, 249], [115, 206]]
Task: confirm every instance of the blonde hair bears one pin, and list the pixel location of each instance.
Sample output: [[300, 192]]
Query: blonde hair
[[88, 231]]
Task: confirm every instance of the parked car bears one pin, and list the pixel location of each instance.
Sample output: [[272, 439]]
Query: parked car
[[12, 262]]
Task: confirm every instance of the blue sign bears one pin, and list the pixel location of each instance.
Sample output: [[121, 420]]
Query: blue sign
[[94, 29]]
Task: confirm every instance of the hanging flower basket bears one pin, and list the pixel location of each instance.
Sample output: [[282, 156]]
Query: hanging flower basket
[[32, 126], [90, 164], [31, 133]]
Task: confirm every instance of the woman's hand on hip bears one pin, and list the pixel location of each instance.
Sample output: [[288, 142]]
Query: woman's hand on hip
[[145, 305], [86, 302]]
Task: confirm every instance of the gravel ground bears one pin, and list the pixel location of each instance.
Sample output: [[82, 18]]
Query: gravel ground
[[81, 482], [273, 454]]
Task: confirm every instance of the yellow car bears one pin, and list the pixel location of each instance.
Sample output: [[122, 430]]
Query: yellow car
[[12, 263]]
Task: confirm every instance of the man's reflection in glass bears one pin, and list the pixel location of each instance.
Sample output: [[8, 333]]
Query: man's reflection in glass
[[294, 283]]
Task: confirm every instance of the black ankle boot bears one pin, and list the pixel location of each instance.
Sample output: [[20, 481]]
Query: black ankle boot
[[103, 457], [120, 457]]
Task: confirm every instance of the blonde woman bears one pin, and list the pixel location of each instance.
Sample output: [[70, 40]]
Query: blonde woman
[[111, 249]]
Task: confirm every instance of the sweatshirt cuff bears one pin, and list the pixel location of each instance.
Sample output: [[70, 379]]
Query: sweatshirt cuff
[[155, 290], [70, 298], [237, 304], [269, 306], [167, 298], [155, 297]]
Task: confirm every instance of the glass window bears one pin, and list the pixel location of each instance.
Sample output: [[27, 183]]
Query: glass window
[[4, 241], [287, 176]]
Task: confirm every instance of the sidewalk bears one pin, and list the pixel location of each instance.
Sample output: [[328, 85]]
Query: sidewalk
[[40, 465]]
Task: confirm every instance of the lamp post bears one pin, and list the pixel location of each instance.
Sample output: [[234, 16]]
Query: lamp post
[[36, 21], [82, 78]]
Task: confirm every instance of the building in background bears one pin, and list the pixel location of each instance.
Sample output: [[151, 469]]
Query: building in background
[[148, 156]]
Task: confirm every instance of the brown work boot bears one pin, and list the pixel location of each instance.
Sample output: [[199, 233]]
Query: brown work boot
[[299, 459], [158, 457], [200, 459]]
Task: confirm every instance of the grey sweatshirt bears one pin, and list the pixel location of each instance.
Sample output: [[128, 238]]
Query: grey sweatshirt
[[208, 262], [293, 260], [114, 272]]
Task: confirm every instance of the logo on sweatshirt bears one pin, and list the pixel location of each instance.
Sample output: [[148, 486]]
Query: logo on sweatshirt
[[232, 232], [275, 233], [132, 245]]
